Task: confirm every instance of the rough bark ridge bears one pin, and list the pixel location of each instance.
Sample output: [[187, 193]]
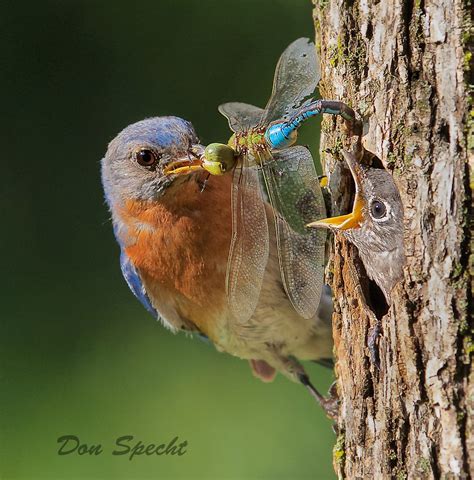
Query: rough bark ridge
[[402, 66]]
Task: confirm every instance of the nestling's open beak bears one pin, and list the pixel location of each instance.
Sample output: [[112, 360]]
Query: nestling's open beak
[[355, 218], [187, 164]]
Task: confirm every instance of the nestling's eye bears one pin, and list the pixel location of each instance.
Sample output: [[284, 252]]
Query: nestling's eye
[[378, 209], [146, 158]]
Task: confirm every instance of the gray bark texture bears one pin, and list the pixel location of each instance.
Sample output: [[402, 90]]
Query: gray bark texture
[[404, 67]]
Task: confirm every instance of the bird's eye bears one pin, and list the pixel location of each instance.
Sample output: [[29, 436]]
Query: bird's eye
[[146, 158], [378, 209]]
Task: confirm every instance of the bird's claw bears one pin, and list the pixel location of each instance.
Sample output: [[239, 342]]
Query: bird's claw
[[331, 407], [329, 404]]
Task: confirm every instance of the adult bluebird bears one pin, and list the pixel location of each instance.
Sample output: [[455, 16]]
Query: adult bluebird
[[174, 237]]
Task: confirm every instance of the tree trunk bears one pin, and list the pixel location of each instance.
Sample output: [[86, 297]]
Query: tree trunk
[[404, 67]]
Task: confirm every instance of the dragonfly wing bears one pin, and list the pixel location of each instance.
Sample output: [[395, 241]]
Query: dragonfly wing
[[248, 254], [241, 116], [296, 197], [296, 76]]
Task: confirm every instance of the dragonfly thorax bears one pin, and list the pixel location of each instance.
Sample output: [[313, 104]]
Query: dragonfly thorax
[[252, 144]]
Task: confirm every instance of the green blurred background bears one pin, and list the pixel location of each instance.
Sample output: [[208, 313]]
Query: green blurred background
[[79, 355]]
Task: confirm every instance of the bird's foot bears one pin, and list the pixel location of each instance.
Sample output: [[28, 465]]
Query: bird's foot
[[292, 369], [329, 404], [373, 344]]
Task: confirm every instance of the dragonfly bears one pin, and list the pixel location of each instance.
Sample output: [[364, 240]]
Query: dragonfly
[[269, 169]]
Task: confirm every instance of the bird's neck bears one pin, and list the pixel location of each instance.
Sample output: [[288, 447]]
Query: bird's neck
[[383, 265]]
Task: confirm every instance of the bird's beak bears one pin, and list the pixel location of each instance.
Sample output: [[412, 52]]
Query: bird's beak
[[189, 163], [353, 219]]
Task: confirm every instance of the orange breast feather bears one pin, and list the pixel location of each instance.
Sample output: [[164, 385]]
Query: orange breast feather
[[180, 246]]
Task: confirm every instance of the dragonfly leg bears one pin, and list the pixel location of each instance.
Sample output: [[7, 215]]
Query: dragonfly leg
[[203, 183], [192, 155]]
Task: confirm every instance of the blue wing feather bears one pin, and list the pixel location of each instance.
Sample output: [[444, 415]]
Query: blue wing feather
[[134, 281], [136, 286], [129, 271]]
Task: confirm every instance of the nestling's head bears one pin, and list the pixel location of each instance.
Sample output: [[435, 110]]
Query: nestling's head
[[375, 225]]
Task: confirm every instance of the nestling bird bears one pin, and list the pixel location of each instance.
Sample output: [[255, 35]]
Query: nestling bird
[[174, 238], [375, 225]]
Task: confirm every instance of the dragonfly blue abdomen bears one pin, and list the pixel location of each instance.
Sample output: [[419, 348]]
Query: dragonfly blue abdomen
[[283, 134]]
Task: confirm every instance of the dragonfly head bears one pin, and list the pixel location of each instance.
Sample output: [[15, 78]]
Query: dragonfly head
[[216, 159], [219, 158]]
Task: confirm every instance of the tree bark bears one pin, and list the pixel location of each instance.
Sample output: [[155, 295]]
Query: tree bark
[[404, 67]]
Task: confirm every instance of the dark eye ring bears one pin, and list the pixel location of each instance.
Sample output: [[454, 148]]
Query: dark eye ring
[[146, 158], [378, 209]]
